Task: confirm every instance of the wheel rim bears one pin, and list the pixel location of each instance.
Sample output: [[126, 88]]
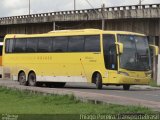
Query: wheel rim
[[32, 79], [22, 79], [98, 81], [97, 78]]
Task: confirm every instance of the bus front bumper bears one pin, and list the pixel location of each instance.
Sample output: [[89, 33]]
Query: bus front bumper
[[133, 80]]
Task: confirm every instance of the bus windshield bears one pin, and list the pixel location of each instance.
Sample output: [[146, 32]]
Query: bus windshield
[[136, 55]]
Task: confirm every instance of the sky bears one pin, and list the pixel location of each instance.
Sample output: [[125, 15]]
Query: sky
[[20, 7]]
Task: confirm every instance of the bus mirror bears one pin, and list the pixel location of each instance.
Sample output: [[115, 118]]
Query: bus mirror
[[120, 47], [155, 49]]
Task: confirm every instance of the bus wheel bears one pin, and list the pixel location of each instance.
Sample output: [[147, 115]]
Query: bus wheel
[[98, 81], [22, 78], [59, 85], [126, 87], [32, 79]]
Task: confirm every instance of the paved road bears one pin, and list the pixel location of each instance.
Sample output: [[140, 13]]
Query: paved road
[[109, 94], [137, 92]]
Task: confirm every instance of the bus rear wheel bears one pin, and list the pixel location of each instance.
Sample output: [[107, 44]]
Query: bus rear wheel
[[32, 79], [22, 78], [126, 87], [98, 81]]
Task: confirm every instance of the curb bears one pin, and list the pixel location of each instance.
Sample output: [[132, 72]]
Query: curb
[[146, 87]]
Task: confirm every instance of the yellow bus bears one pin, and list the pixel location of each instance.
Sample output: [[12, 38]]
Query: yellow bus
[[1, 47], [87, 55]]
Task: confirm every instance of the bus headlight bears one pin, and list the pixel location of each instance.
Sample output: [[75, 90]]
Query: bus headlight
[[123, 73]]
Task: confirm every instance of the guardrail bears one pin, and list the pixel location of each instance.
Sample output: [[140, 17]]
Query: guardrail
[[117, 8]]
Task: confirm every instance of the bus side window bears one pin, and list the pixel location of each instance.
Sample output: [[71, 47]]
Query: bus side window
[[92, 43], [60, 44], [31, 45], [109, 49], [9, 46], [76, 44], [20, 45], [1, 50], [44, 45]]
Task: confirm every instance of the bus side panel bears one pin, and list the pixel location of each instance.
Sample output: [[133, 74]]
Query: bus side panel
[[52, 67]]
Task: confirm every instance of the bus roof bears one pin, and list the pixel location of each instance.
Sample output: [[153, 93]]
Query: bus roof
[[71, 32]]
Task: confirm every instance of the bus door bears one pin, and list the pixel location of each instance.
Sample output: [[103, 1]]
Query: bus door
[[1, 46], [1, 70], [110, 57]]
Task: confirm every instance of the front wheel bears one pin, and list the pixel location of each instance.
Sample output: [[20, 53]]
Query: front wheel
[[32, 79], [98, 79], [126, 87]]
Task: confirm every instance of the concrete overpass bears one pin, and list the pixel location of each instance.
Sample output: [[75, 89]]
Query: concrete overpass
[[143, 19], [137, 18]]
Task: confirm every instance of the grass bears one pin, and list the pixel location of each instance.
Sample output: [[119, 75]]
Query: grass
[[25, 102], [153, 83]]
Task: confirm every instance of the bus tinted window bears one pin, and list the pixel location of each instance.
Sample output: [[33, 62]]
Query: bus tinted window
[[76, 44], [44, 45], [1, 47], [7, 46], [31, 45], [60, 44], [1, 39], [110, 55], [92, 43], [20, 45], [10, 49]]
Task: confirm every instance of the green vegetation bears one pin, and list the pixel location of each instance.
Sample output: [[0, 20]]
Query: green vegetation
[[153, 83], [26, 102]]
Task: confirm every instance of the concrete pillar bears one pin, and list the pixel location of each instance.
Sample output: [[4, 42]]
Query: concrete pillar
[[103, 19], [54, 26], [158, 72], [154, 64], [103, 24]]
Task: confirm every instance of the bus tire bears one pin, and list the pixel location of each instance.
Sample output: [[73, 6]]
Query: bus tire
[[22, 78], [59, 85], [98, 81], [32, 79], [126, 87]]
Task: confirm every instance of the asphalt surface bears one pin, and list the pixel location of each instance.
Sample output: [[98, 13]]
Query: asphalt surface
[[138, 92], [139, 95]]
